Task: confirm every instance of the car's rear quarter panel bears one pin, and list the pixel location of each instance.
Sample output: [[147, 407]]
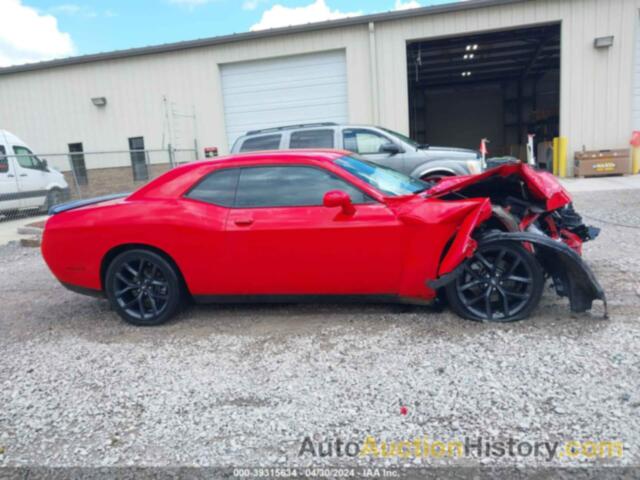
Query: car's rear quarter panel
[[76, 242]]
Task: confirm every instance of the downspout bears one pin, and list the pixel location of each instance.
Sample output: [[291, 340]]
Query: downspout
[[373, 67]]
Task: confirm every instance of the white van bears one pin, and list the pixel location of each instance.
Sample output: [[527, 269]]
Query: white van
[[26, 182]]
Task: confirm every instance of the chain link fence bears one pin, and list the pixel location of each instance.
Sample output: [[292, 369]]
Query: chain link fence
[[30, 184]]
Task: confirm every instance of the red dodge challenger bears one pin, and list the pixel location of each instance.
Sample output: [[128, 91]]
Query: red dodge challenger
[[324, 224]]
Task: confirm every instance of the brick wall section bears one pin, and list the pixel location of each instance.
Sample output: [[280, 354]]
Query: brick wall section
[[103, 181]]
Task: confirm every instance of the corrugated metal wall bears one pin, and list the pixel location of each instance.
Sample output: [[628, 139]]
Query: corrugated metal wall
[[51, 108], [636, 79]]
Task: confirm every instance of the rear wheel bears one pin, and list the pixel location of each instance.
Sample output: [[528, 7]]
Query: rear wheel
[[502, 282], [143, 287]]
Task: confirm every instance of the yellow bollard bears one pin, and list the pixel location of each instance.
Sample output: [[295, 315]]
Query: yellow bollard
[[635, 155], [555, 156], [562, 156]]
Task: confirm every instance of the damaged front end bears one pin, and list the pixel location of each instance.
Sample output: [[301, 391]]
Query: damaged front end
[[532, 209]]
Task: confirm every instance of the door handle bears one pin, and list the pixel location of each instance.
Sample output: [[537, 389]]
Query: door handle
[[23, 174], [243, 222], [11, 175]]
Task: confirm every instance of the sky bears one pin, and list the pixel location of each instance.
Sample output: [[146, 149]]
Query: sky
[[36, 30]]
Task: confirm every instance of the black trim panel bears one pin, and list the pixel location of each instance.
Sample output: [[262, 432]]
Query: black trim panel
[[294, 298], [63, 207], [19, 195], [83, 290]]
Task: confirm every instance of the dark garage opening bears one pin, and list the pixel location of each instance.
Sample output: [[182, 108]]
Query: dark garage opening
[[500, 85]]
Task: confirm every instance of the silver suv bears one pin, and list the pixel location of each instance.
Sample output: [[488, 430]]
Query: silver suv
[[376, 144]]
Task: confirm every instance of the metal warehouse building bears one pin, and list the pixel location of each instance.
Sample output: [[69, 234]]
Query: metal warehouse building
[[448, 74]]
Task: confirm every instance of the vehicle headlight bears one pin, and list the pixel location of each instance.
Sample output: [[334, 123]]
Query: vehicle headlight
[[474, 166]]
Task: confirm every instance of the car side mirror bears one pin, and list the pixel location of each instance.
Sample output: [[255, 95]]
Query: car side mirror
[[390, 148], [45, 165], [338, 198]]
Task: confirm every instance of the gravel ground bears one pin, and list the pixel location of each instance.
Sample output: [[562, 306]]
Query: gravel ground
[[244, 385]]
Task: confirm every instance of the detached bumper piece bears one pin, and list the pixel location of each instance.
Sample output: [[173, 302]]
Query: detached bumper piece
[[568, 218], [571, 276]]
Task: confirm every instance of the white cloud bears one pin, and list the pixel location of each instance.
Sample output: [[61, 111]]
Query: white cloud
[[400, 5], [29, 36], [252, 4], [281, 16]]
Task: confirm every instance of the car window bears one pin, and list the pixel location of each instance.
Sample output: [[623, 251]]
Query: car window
[[4, 161], [363, 141], [311, 139], [388, 181], [404, 138], [26, 159], [265, 142], [218, 187], [290, 186]]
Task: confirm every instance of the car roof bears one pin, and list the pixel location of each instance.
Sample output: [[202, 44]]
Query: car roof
[[10, 137], [293, 128], [278, 156], [173, 182]]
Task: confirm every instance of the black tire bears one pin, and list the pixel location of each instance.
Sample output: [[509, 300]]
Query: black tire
[[502, 282], [435, 177], [54, 197], [143, 287]]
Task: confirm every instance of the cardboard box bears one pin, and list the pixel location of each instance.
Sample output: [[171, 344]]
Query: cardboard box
[[602, 162]]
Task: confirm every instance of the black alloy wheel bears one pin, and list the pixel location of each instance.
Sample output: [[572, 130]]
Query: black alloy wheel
[[502, 282], [143, 287]]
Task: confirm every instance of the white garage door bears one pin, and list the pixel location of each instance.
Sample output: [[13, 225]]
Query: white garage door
[[284, 91], [636, 78]]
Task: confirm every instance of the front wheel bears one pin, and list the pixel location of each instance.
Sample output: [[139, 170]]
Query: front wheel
[[502, 282], [143, 287], [54, 197]]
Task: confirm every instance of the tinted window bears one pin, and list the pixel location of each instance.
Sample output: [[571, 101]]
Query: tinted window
[[289, 187], [218, 188], [4, 163], [312, 139], [266, 142], [363, 141]]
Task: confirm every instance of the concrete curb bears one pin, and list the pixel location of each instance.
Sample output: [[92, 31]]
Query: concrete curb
[[30, 230], [33, 242], [35, 231]]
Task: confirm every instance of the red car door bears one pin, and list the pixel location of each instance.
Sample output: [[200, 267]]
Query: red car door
[[284, 241]]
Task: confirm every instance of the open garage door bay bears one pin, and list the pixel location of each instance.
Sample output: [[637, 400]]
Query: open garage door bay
[[500, 85], [284, 91]]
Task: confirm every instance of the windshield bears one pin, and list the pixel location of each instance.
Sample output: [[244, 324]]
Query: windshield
[[387, 181], [404, 138]]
